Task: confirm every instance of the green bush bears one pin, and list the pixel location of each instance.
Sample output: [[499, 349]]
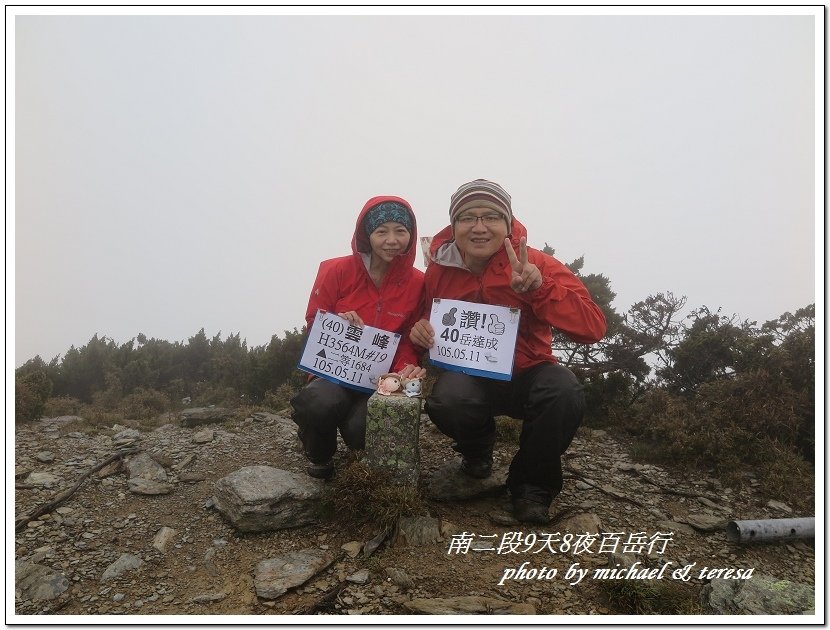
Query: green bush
[[31, 391], [734, 427]]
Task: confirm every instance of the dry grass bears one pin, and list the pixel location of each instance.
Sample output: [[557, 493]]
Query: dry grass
[[508, 429], [362, 495], [651, 597]]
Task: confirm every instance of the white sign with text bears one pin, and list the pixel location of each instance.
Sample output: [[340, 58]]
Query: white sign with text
[[477, 339], [348, 355]]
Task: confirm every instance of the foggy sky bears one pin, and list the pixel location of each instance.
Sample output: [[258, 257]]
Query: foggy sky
[[173, 173]]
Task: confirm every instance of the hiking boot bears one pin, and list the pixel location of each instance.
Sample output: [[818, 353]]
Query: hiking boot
[[477, 467], [321, 471], [527, 511]]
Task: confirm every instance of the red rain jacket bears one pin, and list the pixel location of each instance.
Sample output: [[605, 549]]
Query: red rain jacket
[[561, 302], [343, 284]]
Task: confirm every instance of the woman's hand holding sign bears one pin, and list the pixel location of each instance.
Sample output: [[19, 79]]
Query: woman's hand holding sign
[[524, 276], [353, 318]]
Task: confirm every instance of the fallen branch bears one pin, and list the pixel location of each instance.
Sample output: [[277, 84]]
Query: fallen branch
[[616, 495], [681, 493], [21, 521], [327, 599]]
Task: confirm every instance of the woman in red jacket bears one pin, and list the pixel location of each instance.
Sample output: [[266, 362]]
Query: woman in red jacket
[[475, 259], [377, 286]]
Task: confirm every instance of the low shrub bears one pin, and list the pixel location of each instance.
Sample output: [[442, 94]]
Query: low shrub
[[62, 406], [280, 398], [144, 404], [732, 427]]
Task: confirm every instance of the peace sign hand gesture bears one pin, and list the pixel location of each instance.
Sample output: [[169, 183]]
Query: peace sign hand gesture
[[524, 276]]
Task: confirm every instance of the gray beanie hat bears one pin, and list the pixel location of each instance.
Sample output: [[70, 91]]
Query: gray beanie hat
[[481, 193]]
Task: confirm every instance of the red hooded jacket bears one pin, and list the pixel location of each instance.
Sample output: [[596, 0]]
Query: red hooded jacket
[[343, 284], [562, 302]]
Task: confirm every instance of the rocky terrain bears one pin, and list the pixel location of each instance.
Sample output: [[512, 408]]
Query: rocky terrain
[[141, 535]]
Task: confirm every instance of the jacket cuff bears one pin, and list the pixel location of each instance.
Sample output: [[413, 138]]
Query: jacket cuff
[[548, 290]]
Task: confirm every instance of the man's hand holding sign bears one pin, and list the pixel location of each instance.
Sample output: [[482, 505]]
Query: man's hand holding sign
[[474, 338]]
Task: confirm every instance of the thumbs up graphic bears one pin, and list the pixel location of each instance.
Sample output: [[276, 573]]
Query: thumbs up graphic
[[449, 318], [495, 327]]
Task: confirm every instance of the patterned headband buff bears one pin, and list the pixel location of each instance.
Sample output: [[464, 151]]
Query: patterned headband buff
[[386, 212]]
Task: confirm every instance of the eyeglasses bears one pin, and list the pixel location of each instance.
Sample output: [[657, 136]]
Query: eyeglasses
[[469, 220]]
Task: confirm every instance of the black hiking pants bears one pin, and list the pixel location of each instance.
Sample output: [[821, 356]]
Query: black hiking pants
[[548, 398], [323, 407]]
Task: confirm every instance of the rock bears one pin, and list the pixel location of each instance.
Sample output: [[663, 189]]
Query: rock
[[712, 504], [126, 562], [274, 576], [359, 577], [674, 526], [207, 598], [587, 522], [203, 437], [192, 477], [261, 498], [145, 467], [45, 457], [706, 522], [163, 538], [760, 595], [44, 480], [41, 553], [448, 483], [145, 486], [126, 437], [623, 560], [392, 424], [352, 548], [210, 565], [468, 604], [110, 469], [162, 460], [35, 581], [399, 578], [502, 518], [417, 531], [187, 461], [286, 428], [778, 505], [370, 546], [198, 416]]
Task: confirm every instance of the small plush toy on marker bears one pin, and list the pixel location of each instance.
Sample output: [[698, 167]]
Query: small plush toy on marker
[[389, 384], [412, 387]]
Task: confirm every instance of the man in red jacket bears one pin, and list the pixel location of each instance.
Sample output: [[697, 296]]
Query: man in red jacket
[[483, 257]]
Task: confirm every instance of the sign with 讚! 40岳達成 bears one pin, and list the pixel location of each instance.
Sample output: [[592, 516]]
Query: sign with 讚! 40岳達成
[[477, 339]]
